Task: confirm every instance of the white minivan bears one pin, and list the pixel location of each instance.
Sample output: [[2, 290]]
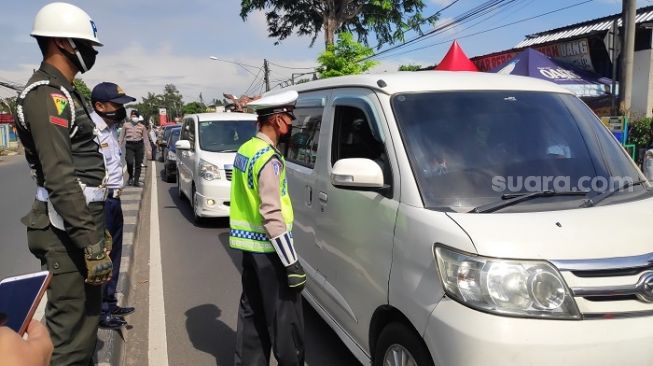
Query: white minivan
[[206, 149], [463, 219]]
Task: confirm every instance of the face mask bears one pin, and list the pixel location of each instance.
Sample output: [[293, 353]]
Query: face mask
[[116, 116], [134, 120], [83, 57]]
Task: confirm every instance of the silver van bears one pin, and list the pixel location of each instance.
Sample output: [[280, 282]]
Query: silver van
[[454, 218]]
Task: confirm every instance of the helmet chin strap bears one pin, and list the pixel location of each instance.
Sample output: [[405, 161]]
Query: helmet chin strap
[[78, 55]]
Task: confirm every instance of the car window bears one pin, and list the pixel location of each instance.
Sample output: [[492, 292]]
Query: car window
[[353, 138], [302, 145], [225, 136]]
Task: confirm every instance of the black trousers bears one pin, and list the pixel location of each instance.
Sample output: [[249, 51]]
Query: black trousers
[[270, 315], [114, 223], [134, 156]]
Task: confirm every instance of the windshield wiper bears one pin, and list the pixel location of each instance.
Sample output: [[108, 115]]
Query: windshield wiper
[[509, 199], [228, 150], [593, 201]]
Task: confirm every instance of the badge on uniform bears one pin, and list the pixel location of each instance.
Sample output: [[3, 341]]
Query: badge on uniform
[[240, 162], [104, 145], [60, 102], [62, 122], [276, 166]]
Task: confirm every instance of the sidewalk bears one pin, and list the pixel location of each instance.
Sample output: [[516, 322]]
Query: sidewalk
[[111, 342]]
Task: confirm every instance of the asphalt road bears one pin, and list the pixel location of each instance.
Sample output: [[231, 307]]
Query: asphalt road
[[201, 285], [15, 202]]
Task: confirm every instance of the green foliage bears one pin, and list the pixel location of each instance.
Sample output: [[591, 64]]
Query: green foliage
[[82, 89], [8, 105], [410, 67], [194, 107], [639, 132], [344, 57], [387, 20]]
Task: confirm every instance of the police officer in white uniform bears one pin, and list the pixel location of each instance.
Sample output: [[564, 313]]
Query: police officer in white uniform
[[108, 101]]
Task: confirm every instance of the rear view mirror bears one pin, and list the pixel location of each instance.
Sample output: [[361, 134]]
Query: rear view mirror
[[357, 172], [182, 145]]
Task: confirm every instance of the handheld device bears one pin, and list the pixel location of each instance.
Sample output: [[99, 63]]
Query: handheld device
[[19, 298]]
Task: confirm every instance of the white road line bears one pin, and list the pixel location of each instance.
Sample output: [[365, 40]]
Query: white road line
[[158, 344]]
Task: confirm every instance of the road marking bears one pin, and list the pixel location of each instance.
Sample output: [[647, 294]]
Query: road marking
[[158, 344]]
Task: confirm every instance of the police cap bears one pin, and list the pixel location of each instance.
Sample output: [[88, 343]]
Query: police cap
[[283, 102]]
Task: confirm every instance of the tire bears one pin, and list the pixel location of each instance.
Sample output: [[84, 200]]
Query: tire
[[193, 204], [180, 194], [397, 341]]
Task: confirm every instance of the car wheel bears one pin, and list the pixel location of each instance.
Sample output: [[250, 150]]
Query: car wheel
[[398, 345], [180, 194], [196, 217], [166, 175]]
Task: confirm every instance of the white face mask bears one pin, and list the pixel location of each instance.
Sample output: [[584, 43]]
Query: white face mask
[[134, 120]]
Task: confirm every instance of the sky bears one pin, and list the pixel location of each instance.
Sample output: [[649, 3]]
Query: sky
[[151, 43]]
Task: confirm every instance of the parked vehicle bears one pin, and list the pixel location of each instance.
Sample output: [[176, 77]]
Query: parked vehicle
[[205, 153], [422, 246], [170, 156], [163, 139]]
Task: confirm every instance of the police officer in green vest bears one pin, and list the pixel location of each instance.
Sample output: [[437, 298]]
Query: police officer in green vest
[[261, 216], [65, 227]]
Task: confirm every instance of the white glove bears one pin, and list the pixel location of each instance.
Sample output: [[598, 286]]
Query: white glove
[[283, 245]]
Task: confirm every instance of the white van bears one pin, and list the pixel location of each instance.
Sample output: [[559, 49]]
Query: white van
[[205, 153], [462, 219]]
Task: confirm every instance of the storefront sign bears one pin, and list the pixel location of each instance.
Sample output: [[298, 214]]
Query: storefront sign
[[576, 52]]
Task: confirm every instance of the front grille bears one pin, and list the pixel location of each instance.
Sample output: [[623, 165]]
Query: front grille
[[227, 173], [610, 287]]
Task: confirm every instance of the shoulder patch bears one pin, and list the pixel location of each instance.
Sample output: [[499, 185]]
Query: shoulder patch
[[240, 162], [276, 166], [62, 122], [60, 102]]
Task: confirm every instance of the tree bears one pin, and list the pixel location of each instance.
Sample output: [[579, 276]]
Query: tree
[[194, 107], [172, 101], [82, 89], [410, 67], [388, 20], [344, 57]]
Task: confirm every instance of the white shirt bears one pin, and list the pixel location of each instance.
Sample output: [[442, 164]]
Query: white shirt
[[152, 136], [110, 148]]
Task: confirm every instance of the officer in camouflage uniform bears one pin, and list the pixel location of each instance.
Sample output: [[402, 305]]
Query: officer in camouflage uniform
[[65, 227], [261, 215]]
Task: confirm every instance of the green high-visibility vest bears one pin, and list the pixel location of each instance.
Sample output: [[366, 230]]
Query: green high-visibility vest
[[245, 220]]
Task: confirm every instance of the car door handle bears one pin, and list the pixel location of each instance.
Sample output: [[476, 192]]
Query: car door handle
[[323, 197], [309, 195]]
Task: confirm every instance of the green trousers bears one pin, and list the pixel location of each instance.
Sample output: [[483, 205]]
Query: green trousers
[[72, 312]]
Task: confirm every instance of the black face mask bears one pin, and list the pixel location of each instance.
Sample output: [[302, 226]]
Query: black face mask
[[83, 57], [116, 116]]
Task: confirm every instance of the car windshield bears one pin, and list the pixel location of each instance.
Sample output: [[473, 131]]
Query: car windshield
[[223, 136], [471, 148]]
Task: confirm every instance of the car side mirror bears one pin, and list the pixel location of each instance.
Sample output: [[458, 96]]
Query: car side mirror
[[182, 144], [357, 173]]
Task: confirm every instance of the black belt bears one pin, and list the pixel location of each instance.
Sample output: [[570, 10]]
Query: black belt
[[135, 142]]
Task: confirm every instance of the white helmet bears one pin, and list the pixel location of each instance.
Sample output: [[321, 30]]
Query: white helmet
[[63, 20]]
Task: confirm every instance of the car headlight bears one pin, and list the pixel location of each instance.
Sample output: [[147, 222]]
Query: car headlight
[[171, 156], [209, 171], [506, 287]]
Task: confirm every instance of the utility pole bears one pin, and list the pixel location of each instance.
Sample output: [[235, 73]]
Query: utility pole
[[629, 9], [266, 75]]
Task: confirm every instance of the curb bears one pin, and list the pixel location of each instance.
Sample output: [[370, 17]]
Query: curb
[[111, 342]]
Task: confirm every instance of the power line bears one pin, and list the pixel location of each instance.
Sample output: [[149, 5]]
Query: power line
[[492, 29], [292, 68], [244, 66], [252, 83], [470, 14]]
